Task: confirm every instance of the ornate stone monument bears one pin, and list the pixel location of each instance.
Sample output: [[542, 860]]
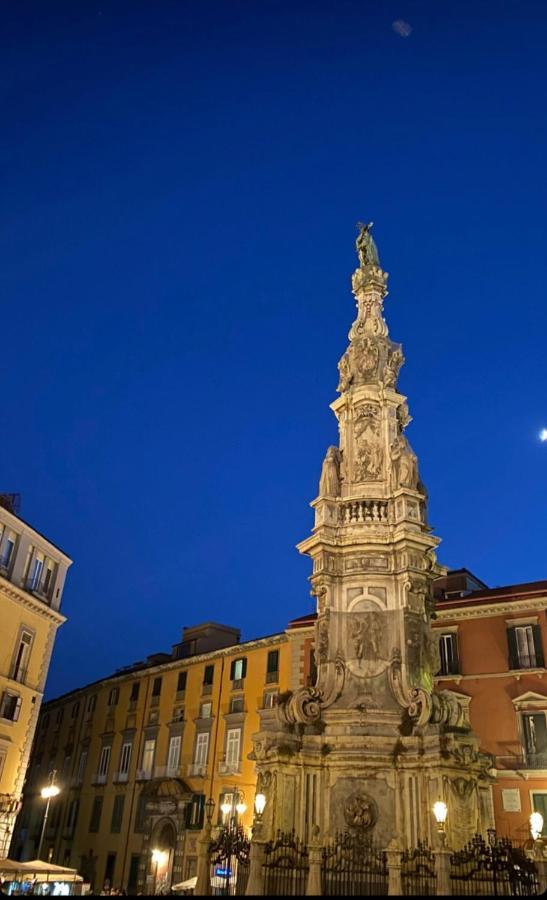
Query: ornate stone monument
[[371, 746]]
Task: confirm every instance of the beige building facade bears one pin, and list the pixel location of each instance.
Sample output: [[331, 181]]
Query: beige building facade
[[32, 577]]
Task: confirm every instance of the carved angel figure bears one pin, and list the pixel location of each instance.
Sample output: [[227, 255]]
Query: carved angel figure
[[329, 484]]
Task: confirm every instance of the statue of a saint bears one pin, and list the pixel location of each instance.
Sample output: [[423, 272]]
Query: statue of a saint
[[329, 484], [366, 248]]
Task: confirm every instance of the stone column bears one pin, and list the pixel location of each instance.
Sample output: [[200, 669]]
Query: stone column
[[203, 883], [315, 856], [394, 888], [442, 871], [255, 883]]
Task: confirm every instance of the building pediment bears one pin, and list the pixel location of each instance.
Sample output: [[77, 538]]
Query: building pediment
[[530, 700]]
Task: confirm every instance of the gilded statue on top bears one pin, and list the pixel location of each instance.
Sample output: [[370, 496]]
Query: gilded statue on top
[[366, 248]]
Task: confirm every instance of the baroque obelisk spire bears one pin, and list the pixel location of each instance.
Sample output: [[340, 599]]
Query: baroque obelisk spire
[[371, 744]]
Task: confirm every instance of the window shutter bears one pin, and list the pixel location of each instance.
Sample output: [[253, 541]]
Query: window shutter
[[17, 709], [244, 667], [233, 670], [513, 651], [538, 646], [455, 656]]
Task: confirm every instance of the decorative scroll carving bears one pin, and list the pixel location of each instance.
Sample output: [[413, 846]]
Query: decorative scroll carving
[[329, 484], [304, 706]]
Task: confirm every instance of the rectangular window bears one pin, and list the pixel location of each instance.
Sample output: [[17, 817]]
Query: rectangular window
[[233, 744], [59, 718], [181, 681], [178, 714], [534, 727], [7, 550], [75, 710], [95, 819], [448, 651], [35, 573], [173, 756], [156, 688], [208, 675], [91, 704], [81, 766], [148, 754], [134, 696], [22, 657], [202, 748], [525, 647], [72, 816], [10, 706], [539, 804], [238, 669], [205, 710], [117, 814], [195, 811], [270, 699], [237, 704], [104, 760], [125, 758], [114, 696], [272, 667]]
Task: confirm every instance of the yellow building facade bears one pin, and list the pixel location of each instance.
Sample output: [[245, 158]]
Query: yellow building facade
[[138, 754], [32, 576]]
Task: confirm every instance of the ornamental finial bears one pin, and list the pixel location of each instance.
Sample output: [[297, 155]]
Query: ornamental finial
[[366, 248]]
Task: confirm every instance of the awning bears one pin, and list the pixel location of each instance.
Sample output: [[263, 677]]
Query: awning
[[188, 885], [39, 870]]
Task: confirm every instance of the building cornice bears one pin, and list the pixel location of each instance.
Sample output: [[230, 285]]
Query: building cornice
[[487, 611], [16, 595], [168, 666]]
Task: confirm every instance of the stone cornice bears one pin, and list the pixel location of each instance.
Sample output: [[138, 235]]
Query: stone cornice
[[488, 611], [17, 595]]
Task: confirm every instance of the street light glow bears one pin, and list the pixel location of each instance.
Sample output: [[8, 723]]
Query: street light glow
[[50, 791], [536, 825], [543, 434]]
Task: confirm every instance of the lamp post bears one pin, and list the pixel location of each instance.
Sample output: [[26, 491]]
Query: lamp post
[[255, 884], [237, 805], [47, 793]]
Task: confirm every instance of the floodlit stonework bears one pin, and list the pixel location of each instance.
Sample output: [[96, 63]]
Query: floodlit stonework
[[371, 745]]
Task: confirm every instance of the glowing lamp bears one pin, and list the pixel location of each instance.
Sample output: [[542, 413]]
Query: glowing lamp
[[260, 804], [536, 825], [50, 791], [440, 811], [241, 807]]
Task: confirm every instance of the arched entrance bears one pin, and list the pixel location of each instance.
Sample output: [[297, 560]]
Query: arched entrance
[[162, 842]]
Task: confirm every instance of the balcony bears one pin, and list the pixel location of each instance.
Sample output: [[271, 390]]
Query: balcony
[[229, 768], [166, 771], [197, 770], [143, 774], [41, 589], [99, 779], [522, 761], [272, 677], [120, 777], [206, 689]]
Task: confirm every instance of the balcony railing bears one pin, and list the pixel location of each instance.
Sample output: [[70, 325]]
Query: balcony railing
[[197, 770], [41, 588], [120, 777], [272, 677], [143, 774], [229, 768], [522, 761], [99, 779], [166, 771]]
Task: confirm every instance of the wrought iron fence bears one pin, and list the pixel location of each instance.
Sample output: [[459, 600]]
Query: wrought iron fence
[[418, 877], [351, 867], [494, 867], [230, 862], [286, 866]]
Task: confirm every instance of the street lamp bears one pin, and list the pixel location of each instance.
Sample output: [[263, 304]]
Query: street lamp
[[47, 793], [260, 806], [440, 811], [209, 809]]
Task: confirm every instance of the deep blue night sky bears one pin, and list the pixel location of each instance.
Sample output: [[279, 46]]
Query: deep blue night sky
[[180, 187]]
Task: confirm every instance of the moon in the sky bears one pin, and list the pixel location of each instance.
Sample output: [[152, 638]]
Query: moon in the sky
[[543, 434]]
